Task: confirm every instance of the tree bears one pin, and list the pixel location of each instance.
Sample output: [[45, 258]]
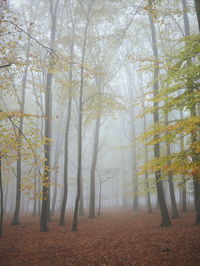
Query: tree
[[179, 88], [109, 174], [170, 175], [45, 212], [133, 138], [80, 118], [15, 220], [142, 102], [161, 197], [187, 33], [66, 157], [93, 169]]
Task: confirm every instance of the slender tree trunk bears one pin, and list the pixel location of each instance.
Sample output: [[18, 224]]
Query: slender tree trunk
[[93, 169], [27, 206], [134, 163], [172, 194], [187, 33], [183, 187], [15, 220], [185, 18], [45, 212], [66, 158], [35, 200], [197, 6], [170, 178], [56, 160], [6, 198], [59, 144], [146, 173], [124, 200], [81, 204], [75, 216], [53, 207], [99, 209], [161, 197], [148, 196], [195, 159], [133, 143], [39, 201]]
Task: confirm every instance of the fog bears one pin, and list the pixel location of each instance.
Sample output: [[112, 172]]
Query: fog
[[90, 117]]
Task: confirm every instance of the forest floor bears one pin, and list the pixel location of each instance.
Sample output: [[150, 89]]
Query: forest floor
[[118, 237]]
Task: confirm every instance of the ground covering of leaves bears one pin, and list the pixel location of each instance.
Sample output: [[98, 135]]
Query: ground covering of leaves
[[119, 237]]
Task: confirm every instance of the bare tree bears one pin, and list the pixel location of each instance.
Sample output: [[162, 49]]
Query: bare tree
[[75, 217]]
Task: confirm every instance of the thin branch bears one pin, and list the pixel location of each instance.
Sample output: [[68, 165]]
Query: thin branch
[[9, 64], [21, 132], [30, 36]]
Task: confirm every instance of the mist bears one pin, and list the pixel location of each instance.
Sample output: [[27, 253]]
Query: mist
[[99, 132]]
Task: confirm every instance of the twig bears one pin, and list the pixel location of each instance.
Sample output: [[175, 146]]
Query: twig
[[9, 64], [30, 36]]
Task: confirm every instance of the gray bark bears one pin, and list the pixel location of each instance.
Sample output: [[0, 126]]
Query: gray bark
[[93, 169], [170, 178], [45, 212], [75, 216]]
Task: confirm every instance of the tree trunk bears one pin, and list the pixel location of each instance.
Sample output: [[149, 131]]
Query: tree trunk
[[75, 216], [6, 198], [93, 169], [124, 199], [56, 160], [81, 204], [35, 200], [170, 178], [39, 201], [194, 138], [66, 159], [134, 163], [53, 207], [183, 188], [197, 6], [172, 195], [133, 142], [185, 18], [195, 159], [146, 173], [99, 209], [187, 33], [161, 197], [15, 220], [45, 212]]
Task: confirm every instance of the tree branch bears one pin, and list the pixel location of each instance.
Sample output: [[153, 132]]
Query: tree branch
[[7, 65]]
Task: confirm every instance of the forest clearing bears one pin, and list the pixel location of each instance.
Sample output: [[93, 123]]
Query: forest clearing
[[117, 238]]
